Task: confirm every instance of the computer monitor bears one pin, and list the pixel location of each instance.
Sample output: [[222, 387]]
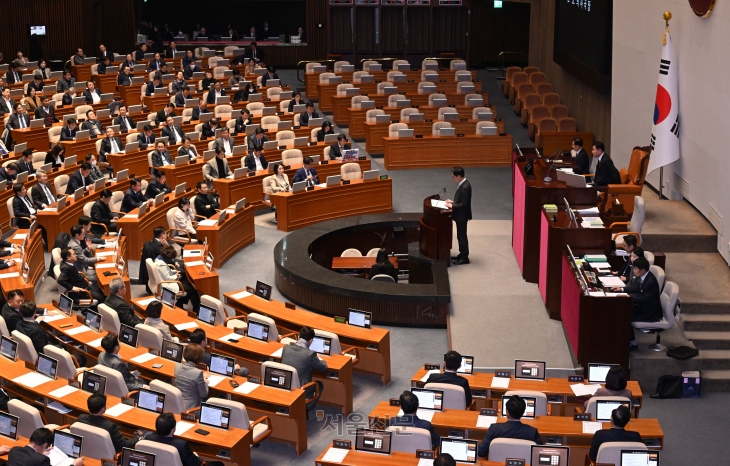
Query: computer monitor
[[258, 330], [68, 443], [132, 457], [530, 402], [374, 441], [462, 450], [263, 290], [93, 320], [93, 383], [549, 455], [321, 345], [8, 348], [222, 365], [604, 408], [639, 457], [9, 425], [597, 372], [151, 400], [359, 318], [168, 297], [128, 335], [278, 378], [65, 304], [171, 350], [429, 399], [467, 365], [214, 415], [207, 314], [47, 366], [529, 370]]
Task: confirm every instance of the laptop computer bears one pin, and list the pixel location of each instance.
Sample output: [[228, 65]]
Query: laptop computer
[[239, 173], [180, 189], [82, 135], [99, 184], [369, 175], [267, 111], [277, 378], [255, 97], [301, 141], [549, 455], [223, 365], [352, 91], [403, 103], [405, 133], [359, 318], [69, 444], [159, 199], [642, 457], [315, 122], [334, 180], [132, 457], [467, 365], [168, 297], [8, 425], [273, 83], [373, 441], [207, 314], [492, 131], [284, 125], [70, 161], [530, 370], [270, 145], [367, 104], [181, 160], [172, 351], [21, 178], [79, 193], [258, 331], [128, 335], [8, 348], [65, 304], [151, 400], [93, 383], [330, 138], [429, 399], [530, 402], [240, 205], [263, 290], [462, 450], [299, 186], [604, 408], [93, 320], [215, 416], [37, 123], [47, 366], [321, 345], [597, 372]]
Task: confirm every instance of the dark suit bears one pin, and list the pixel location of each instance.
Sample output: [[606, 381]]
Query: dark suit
[[102, 423], [241, 125], [94, 127], [120, 121], [584, 163], [201, 201], [67, 98], [383, 268], [100, 213], [187, 457], [250, 162], [646, 305], [150, 90], [253, 141], [32, 330], [606, 172], [41, 114], [191, 153], [301, 175], [627, 271], [113, 361], [336, 151], [454, 379], [161, 158], [26, 456], [4, 175], [155, 65], [76, 181], [613, 434], [180, 99], [150, 250], [266, 77], [208, 131], [11, 316], [167, 131], [40, 196], [124, 310], [13, 77], [139, 55], [21, 210], [304, 117], [257, 55], [71, 276], [145, 141], [106, 147], [63, 85], [154, 188], [87, 94], [38, 86], [161, 116], [188, 72], [197, 111], [124, 79], [212, 96], [412, 420], [4, 106], [461, 214], [132, 200], [68, 134], [50, 158], [14, 121], [23, 166], [509, 429]]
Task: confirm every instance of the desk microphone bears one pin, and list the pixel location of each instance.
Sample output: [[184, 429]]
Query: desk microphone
[[518, 150], [554, 156], [538, 152]]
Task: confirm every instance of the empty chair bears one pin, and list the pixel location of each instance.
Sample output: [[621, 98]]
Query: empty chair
[[436, 127], [324, 78], [453, 63], [509, 73], [292, 157], [409, 439], [454, 396], [423, 85], [393, 99], [294, 379], [463, 74], [54, 133], [239, 419], [164, 454], [546, 125], [406, 112], [391, 74], [381, 277], [29, 418], [502, 448], [517, 79], [649, 256], [373, 252], [339, 64], [485, 124], [636, 223], [536, 114], [658, 272], [610, 452], [543, 88], [531, 101], [285, 137], [464, 88], [444, 110], [429, 76], [262, 319], [433, 97], [342, 88], [97, 441], [115, 385], [371, 114], [540, 400], [381, 86], [351, 252], [26, 351], [550, 99], [474, 100], [4, 328], [351, 171], [273, 92], [426, 63], [566, 125], [558, 111], [357, 100], [537, 78], [110, 319], [149, 337], [174, 402], [270, 122], [521, 91], [256, 108], [477, 110], [397, 63], [310, 67], [115, 204], [68, 367], [223, 111], [366, 65], [60, 183], [394, 127], [531, 69], [357, 76]]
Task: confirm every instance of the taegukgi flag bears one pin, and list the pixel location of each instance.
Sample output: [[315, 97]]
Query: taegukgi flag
[[665, 132]]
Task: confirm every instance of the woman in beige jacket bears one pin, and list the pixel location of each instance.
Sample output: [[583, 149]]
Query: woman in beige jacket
[[31, 102], [183, 219], [279, 182]]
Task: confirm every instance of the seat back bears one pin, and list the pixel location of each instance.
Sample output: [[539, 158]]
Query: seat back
[[532, 100], [29, 418], [357, 75], [273, 93], [357, 100], [461, 85], [81, 111], [422, 85], [149, 337], [26, 350], [550, 99], [537, 78], [270, 122], [404, 114], [313, 134], [342, 88], [425, 63], [453, 63], [115, 385], [97, 441], [390, 75], [371, 114], [115, 204], [638, 165], [132, 137], [350, 171], [531, 69], [310, 67], [538, 113], [543, 88], [223, 111], [518, 78], [255, 107], [324, 78], [11, 209], [502, 448], [669, 298], [174, 402], [540, 400], [292, 157], [110, 319], [409, 439], [54, 133], [335, 347], [339, 64], [592, 406], [454, 396], [394, 127], [154, 275], [381, 277], [658, 272], [392, 99], [558, 111], [566, 125], [444, 110], [637, 217], [66, 368], [239, 415], [438, 125], [482, 124], [610, 452], [60, 183], [4, 328], [285, 135], [273, 331], [396, 63], [510, 71], [221, 312], [477, 110], [523, 89], [87, 208], [351, 252], [547, 125], [164, 454], [460, 73], [278, 365], [170, 215]]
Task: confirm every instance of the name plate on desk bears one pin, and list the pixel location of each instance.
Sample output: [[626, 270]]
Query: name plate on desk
[[289, 305], [339, 319], [324, 162], [395, 402], [575, 378], [281, 148], [506, 374], [253, 379], [362, 157], [426, 454], [432, 367], [514, 462], [188, 417], [128, 400], [345, 182], [341, 443], [312, 144], [383, 177], [487, 412], [582, 417]]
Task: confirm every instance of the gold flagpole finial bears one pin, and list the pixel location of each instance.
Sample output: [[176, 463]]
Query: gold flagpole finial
[[667, 16]]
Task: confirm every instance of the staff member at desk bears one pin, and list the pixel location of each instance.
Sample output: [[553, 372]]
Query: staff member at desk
[[338, 147], [215, 91], [308, 114], [23, 208], [513, 428], [188, 149], [205, 203], [158, 185], [626, 273], [256, 161], [606, 172], [133, 198], [34, 454], [100, 213], [383, 266], [80, 179], [296, 99], [258, 137], [74, 281], [96, 404], [452, 362], [304, 360], [306, 173], [617, 433], [164, 430], [147, 138], [581, 158], [409, 406], [217, 167], [646, 305], [461, 213]]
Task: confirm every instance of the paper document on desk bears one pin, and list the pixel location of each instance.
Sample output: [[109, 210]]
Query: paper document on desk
[[428, 374], [63, 391], [614, 295], [186, 325], [241, 295], [500, 382], [96, 343], [485, 421], [214, 380], [131, 215], [118, 410], [335, 455], [207, 223], [143, 358], [59, 458], [50, 318], [321, 185], [246, 388], [426, 414], [50, 209], [591, 427], [612, 282], [181, 427], [621, 252], [439, 204], [596, 258], [31, 379], [591, 225], [105, 253], [194, 263], [600, 265], [277, 353], [56, 406], [232, 336], [106, 265], [145, 302], [9, 275], [598, 294], [585, 390], [192, 252], [591, 211], [77, 330], [20, 236]]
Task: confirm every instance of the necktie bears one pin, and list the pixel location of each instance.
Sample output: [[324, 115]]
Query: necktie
[[115, 149], [22, 121], [49, 195], [148, 139], [17, 77], [31, 209], [306, 173]]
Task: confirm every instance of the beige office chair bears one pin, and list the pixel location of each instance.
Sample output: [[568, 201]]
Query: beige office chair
[[658, 274], [610, 452], [429, 76], [454, 396], [294, 379], [313, 134], [393, 99], [310, 67], [115, 203], [476, 100], [337, 348], [592, 405], [256, 108], [286, 137], [109, 319], [477, 110], [409, 439], [81, 111], [54, 134], [367, 64], [270, 122], [464, 88], [339, 64], [357, 76], [394, 127], [292, 157], [461, 74], [222, 313], [540, 400], [380, 87], [436, 127], [668, 298], [484, 124], [174, 402], [634, 226], [68, 368], [284, 105], [342, 88], [453, 63], [273, 93], [392, 74], [371, 114], [149, 337], [11, 213], [26, 350], [223, 111], [373, 252], [4, 328], [164, 454], [155, 281], [239, 419], [351, 171], [324, 78], [425, 63], [326, 152], [115, 385], [432, 100], [444, 110], [357, 100], [131, 137], [502, 448], [97, 441], [29, 418], [59, 183], [406, 112], [397, 63], [351, 252]]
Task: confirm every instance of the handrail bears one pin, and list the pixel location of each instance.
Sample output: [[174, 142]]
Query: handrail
[[500, 60], [310, 61]]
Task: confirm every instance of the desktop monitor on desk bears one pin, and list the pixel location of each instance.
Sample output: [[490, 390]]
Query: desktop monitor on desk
[[171, 350], [93, 383], [530, 402], [8, 348], [373, 441], [462, 450], [9, 425], [278, 378], [549, 456], [604, 408], [215, 416], [529, 370], [132, 457], [429, 399], [597, 372]]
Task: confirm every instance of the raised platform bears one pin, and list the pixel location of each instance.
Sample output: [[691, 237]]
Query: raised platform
[[302, 272]]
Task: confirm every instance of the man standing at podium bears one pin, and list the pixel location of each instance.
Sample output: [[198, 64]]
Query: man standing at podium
[[461, 213]]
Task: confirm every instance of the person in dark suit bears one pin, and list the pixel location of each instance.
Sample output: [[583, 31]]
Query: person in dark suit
[[19, 119], [55, 155], [46, 113], [110, 145], [14, 76], [162, 115], [158, 185], [646, 305], [306, 173], [513, 428], [383, 266], [205, 202], [25, 211], [42, 195], [96, 404], [116, 301], [296, 99], [253, 53], [151, 250], [74, 281], [69, 96], [243, 93], [139, 54], [146, 138], [338, 147], [187, 149], [11, 309], [270, 74], [125, 122], [187, 59], [461, 213], [215, 91], [182, 96], [103, 65], [581, 158], [308, 114], [34, 454], [9, 173], [327, 128], [617, 433], [134, 197], [110, 358], [200, 109], [66, 82], [124, 78], [68, 132], [210, 127], [161, 156], [171, 49], [92, 125], [100, 213], [190, 68], [156, 63], [606, 172], [409, 406], [164, 428], [243, 120], [452, 362], [92, 93], [25, 162], [172, 131], [79, 179], [30, 328], [626, 272], [129, 61], [7, 105], [305, 361], [208, 81], [156, 83]]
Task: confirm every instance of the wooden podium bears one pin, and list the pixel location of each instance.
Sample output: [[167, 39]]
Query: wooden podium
[[435, 241]]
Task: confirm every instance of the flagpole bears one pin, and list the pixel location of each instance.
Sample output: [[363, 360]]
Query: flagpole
[[661, 182], [667, 16]]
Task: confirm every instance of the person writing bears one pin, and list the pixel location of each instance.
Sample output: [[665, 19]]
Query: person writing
[[256, 161], [383, 266], [461, 213], [35, 453]]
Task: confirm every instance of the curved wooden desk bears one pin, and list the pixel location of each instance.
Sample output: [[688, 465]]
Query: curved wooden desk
[[447, 151], [236, 232], [107, 252], [203, 280], [12, 278]]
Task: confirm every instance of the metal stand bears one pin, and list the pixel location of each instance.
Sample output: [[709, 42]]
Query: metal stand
[[661, 182]]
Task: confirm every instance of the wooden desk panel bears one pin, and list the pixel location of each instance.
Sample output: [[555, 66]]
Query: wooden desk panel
[[79, 148], [224, 241], [106, 83], [131, 95], [155, 103], [104, 280], [306, 208], [82, 73], [203, 280], [364, 458], [36, 265], [139, 230], [448, 151], [37, 138], [360, 263]]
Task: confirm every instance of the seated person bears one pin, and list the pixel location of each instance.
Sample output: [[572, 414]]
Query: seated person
[[110, 358], [34, 454], [124, 78], [191, 381], [210, 127], [243, 93], [258, 137], [101, 213], [129, 61], [199, 110], [92, 125], [188, 149], [606, 172], [139, 54], [270, 74], [581, 158], [443, 459], [296, 99], [9, 173], [615, 384], [256, 161], [242, 121], [190, 68], [164, 430], [146, 138], [225, 141], [513, 428], [66, 82], [110, 145], [116, 301], [304, 360], [68, 97], [383, 266], [156, 63], [172, 131], [215, 91], [165, 263], [338, 147], [629, 245], [105, 62], [327, 128], [161, 156], [133, 198], [452, 362], [95, 174], [217, 167], [646, 305], [306, 173], [25, 211], [30, 328], [409, 406], [92, 94], [156, 83], [25, 162], [158, 185], [84, 255], [161, 116], [205, 202], [11, 309], [96, 405], [308, 114], [153, 315], [182, 96], [184, 218], [74, 281], [68, 132], [236, 78], [55, 155], [617, 433], [209, 80], [46, 112], [179, 83], [80, 179]]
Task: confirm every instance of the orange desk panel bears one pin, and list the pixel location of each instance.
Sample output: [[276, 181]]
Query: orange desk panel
[[236, 232], [449, 151], [139, 230]]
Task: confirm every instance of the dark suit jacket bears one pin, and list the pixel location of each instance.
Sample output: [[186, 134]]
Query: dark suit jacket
[[606, 172], [87, 94], [167, 131], [250, 55], [241, 125], [162, 116], [76, 181], [106, 147], [454, 379], [100, 213], [124, 310], [202, 201], [250, 162], [192, 153], [266, 77], [155, 65], [211, 95], [36, 334], [118, 121], [139, 55], [611, 435], [301, 174], [102, 423], [88, 125], [14, 120], [68, 134], [142, 140], [71, 276], [180, 99], [208, 131], [304, 117], [4, 175], [158, 159], [124, 79], [154, 188], [10, 77], [37, 86], [50, 158], [26, 456], [39, 196], [188, 72], [509, 429], [383, 268], [150, 250], [646, 305], [67, 99], [208, 83], [42, 114], [132, 200], [25, 167], [197, 112], [335, 151], [11, 316], [584, 163], [461, 208], [21, 210], [412, 420], [151, 88], [187, 456], [4, 107]]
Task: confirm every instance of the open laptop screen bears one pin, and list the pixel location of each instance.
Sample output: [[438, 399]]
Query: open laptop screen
[[429, 399], [467, 365], [639, 457], [68, 443], [207, 314], [47, 366], [8, 348], [597, 372], [65, 304], [263, 290], [529, 370], [530, 403], [93, 320], [277, 378], [257, 330], [172, 351], [604, 408], [359, 318], [93, 383], [151, 400], [9, 425], [168, 297], [137, 458], [321, 345], [462, 450], [128, 335], [374, 441], [214, 416], [222, 365], [549, 456]]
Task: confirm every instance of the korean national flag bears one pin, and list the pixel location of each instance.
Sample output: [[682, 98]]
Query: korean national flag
[[665, 132]]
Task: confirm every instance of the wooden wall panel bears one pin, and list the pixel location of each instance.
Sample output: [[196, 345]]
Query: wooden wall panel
[[392, 33], [419, 30], [365, 30], [493, 31], [340, 30], [450, 27]]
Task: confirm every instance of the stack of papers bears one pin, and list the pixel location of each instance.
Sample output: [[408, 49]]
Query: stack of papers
[[145, 302], [105, 265], [246, 388], [426, 414], [425, 462], [59, 458], [335, 455], [105, 253], [31, 379], [118, 410], [9, 275], [591, 211], [143, 358], [596, 258], [612, 282], [194, 263], [207, 223], [591, 427], [500, 382], [181, 427], [241, 295], [428, 374], [186, 325], [77, 330], [214, 380], [439, 204], [585, 390], [63, 391], [232, 336], [321, 185], [56, 406], [96, 343], [277, 353], [484, 422]]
